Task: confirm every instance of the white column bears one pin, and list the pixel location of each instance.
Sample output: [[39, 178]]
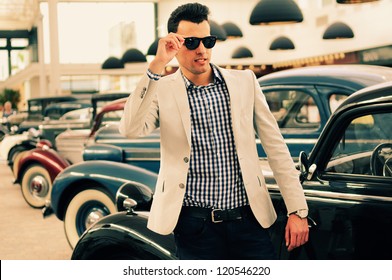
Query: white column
[[54, 84], [43, 90]]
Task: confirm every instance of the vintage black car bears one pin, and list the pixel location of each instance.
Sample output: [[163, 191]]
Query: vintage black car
[[347, 180], [302, 100], [41, 108]]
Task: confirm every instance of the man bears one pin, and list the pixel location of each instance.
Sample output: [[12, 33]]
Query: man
[[210, 189], [7, 110]]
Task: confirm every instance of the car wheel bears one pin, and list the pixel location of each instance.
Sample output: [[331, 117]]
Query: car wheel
[[85, 209], [36, 186]]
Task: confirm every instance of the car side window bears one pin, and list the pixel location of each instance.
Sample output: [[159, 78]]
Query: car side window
[[335, 100], [293, 109], [365, 148]]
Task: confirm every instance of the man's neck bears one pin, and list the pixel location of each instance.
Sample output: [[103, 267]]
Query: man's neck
[[202, 79]]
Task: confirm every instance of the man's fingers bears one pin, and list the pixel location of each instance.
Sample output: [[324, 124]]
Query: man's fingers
[[297, 233], [174, 41]]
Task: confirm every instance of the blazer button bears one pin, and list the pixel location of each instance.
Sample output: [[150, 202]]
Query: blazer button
[[181, 185], [186, 160]]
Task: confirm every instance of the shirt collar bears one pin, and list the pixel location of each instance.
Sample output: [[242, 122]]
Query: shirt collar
[[217, 78]]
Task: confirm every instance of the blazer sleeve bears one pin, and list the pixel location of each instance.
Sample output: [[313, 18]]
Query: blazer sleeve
[[279, 158], [141, 111]]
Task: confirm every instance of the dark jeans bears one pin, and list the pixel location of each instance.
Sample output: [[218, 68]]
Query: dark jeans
[[245, 239]]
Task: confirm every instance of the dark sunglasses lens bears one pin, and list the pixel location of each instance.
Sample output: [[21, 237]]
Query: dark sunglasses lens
[[209, 42], [192, 43]]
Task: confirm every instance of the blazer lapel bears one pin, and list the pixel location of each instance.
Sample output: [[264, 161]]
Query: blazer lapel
[[181, 98], [234, 88]]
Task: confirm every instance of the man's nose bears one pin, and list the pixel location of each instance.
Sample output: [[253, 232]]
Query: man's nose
[[201, 48]]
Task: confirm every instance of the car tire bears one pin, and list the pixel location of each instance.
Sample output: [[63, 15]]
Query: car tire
[[85, 208], [36, 186]]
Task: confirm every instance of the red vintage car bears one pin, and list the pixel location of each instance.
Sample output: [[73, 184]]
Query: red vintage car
[[36, 169]]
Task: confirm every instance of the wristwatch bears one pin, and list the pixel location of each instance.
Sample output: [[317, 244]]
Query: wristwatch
[[302, 213]]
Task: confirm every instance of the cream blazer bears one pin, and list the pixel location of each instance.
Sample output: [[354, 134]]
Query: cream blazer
[[164, 104]]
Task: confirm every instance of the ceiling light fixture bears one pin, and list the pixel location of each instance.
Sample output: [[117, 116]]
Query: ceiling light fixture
[[242, 52], [275, 12], [282, 43], [338, 30]]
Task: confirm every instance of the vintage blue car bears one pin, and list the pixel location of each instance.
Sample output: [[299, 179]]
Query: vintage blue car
[[302, 99], [85, 192], [347, 181]]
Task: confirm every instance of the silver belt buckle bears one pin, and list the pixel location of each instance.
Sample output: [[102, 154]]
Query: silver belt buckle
[[213, 216]]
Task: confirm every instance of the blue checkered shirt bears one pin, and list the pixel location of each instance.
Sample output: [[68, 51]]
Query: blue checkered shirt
[[214, 176]]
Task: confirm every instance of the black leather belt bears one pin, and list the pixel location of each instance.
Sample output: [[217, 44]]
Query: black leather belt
[[217, 215]]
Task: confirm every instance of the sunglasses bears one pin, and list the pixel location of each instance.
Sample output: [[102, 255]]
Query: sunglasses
[[192, 43]]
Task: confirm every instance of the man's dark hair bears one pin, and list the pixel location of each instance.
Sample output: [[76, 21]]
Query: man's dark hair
[[193, 12]]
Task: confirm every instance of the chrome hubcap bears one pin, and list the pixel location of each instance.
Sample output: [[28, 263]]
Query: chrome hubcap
[[39, 186], [94, 216]]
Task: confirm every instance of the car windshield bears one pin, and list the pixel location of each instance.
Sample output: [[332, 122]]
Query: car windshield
[[365, 148], [79, 114]]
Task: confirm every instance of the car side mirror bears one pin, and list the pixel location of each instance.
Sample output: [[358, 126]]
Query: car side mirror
[[303, 165], [131, 196], [129, 204]]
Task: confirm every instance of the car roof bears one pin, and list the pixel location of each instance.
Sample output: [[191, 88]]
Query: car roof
[[373, 94], [57, 97], [354, 75]]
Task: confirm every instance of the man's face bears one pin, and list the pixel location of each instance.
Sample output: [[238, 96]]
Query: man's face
[[197, 61]]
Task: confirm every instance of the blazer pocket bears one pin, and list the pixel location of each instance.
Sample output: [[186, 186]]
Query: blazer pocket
[[260, 184], [160, 185], [163, 187]]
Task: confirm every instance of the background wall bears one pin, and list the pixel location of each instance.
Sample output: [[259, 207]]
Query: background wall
[[370, 22]]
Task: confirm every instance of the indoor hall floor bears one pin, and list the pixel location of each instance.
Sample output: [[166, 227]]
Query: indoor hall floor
[[24, 233]]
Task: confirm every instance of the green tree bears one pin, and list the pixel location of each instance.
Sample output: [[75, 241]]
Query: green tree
[[10, 95]]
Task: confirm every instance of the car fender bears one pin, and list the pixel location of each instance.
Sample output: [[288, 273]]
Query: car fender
[[103, 152], [46, 157], [108, 175], [123, 235], [9, 142]]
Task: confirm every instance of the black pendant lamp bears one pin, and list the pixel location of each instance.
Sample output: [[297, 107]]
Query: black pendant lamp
[[354, 1], [218, 31], [338, 30], [282, 43], [152, 49], [232, 30], [112, 63], [275, 12], [133, 55], [242, 52]]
